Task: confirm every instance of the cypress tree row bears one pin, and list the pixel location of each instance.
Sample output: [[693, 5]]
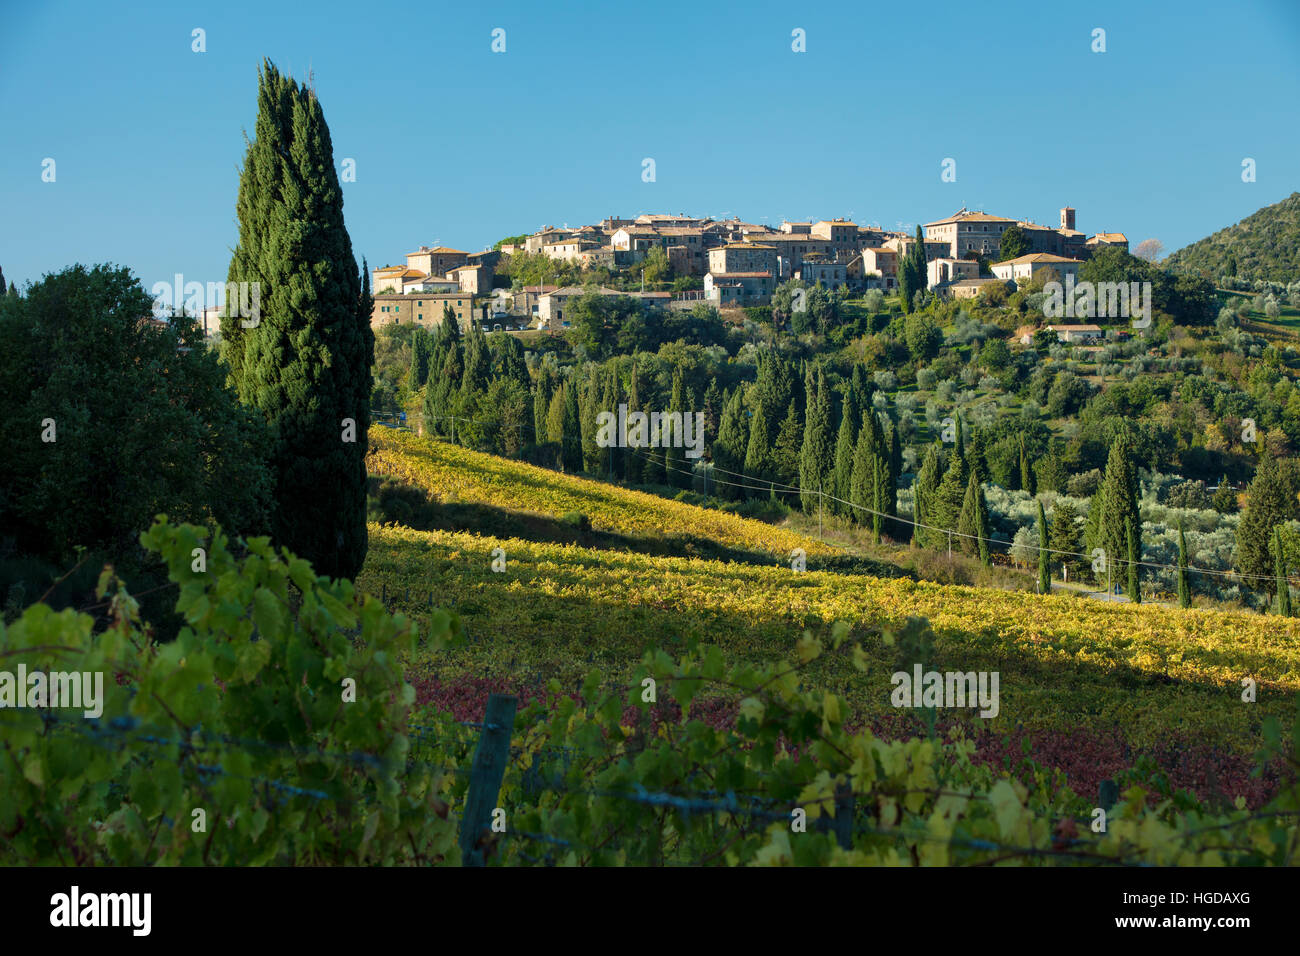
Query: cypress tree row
[[305, 362], [815, 456]]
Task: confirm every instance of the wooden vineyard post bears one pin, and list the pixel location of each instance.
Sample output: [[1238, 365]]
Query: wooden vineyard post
[[486, 774], [844, 816], [1107, 794]]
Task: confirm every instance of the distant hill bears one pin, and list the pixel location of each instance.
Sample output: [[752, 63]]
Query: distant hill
[[1266, 245]]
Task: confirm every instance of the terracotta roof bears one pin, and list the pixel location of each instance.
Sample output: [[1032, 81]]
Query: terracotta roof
[[1035, 257], [1109, 237], [963, 216], [740, 275], [1074, 328]]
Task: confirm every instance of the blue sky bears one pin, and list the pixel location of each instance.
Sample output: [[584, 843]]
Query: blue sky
[[461, 146]]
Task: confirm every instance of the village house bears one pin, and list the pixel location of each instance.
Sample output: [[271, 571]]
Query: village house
[[551, 306], [969, 233], [393, 278], [475, 280], [817, 269], [1076, 333], [425, 310], [743, 257], [884, 263], [430, 284], [967, 288], [1026, 267], [436, 262], [526, 301], [945, 269], [1103, 239]]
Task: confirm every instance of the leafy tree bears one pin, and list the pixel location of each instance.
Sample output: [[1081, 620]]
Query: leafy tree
[[305, 364], [923, 337], [1014, 243], [108, 419], [1225, 498], [1269, 502]]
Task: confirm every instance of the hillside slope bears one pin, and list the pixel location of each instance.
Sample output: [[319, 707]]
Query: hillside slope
[[1266, 245]]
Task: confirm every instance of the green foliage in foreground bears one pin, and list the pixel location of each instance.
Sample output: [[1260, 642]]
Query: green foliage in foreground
[[242, 717]]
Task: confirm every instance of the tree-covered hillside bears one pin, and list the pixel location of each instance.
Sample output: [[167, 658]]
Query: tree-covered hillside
[[1264, 245]]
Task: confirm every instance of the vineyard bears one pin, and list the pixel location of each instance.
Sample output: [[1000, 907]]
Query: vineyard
[[1140, 679]]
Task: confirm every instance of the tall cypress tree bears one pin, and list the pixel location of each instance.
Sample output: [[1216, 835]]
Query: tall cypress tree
[[973, 523], [845, 444], [729, 449], [815, 456], [477, 374], [1283, 587], [572, 448], [421, 352], [923, 494], [591, 452], [1119, 504], [1184, 592], [541, 404], [758, 454], [1026, 472], [676, 473], [862, 481], [1044, 568], [305, 363], [1134, 556]]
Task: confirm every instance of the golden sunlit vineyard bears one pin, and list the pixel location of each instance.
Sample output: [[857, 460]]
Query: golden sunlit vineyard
[[454, 474], [556, 611]]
